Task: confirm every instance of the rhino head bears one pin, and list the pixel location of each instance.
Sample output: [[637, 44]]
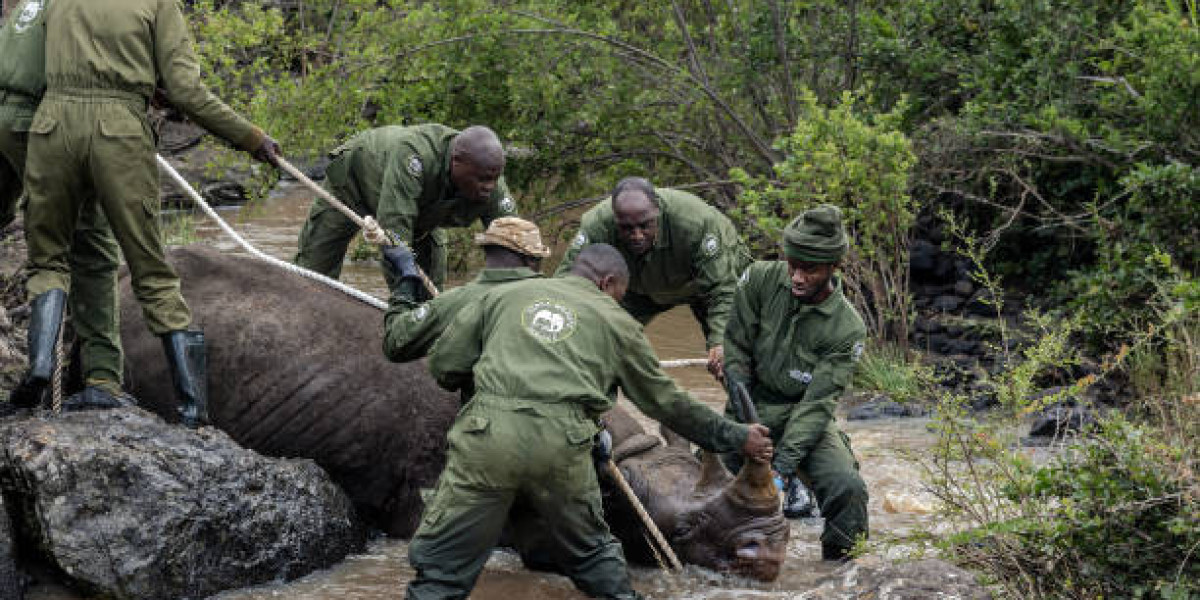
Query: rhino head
[[711, 518]]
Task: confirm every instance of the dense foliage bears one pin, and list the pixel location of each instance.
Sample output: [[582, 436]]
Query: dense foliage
[[1057, 138]]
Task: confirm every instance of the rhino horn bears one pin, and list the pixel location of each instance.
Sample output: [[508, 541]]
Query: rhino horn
[[713, 473], [754, 488]]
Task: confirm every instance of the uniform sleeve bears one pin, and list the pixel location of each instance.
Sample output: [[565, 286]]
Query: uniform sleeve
[[589, 232], [409, 332], [397, 191], [657, 395], [742, 328], [453, 356], [179, 73], [717, 260], [812, 414]]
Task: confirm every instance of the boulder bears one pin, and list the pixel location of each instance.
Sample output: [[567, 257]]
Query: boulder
[[10, 578], [127, 506], [881, 406], [1060, 419], [875, 578]]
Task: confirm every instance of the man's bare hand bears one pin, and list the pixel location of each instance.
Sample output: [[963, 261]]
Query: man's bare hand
[[758, 446], [716, 362]]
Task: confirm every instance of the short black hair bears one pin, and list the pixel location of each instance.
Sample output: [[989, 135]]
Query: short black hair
[[597, 261]]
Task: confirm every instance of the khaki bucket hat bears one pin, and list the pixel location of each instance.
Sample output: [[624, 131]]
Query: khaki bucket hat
[[515, 234]]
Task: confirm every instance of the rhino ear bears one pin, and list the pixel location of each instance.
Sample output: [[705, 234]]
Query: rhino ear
[[713, 473]]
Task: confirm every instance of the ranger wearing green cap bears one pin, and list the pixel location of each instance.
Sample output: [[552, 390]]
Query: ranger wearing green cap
[[413, 181], [544, 356], [679, 249], [513, 251], [90, 145], [93, 255], [793, 339]]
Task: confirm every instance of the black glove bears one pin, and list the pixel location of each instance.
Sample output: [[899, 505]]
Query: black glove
[[602, 447], [402, 262]]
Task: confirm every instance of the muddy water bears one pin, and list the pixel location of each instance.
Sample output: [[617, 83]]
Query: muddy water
[[897, 503]]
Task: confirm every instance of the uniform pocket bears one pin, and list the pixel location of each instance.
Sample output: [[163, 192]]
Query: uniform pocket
[[121, 126], [475, 424], [581, 434], [42, 124]]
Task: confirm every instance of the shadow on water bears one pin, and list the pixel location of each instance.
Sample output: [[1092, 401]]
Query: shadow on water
[[897, 503]]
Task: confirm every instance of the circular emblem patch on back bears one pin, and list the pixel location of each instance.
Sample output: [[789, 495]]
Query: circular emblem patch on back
[[580, 240], [29, 13], [414, 166], [710, 244], [507, 204], [549, 321]]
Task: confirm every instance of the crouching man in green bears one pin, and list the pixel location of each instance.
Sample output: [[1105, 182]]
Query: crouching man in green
[[793, 339], [513, 251], [544, 355]]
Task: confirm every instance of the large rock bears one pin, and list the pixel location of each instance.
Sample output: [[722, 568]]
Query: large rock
[[10, 578], [130, 507], [878, 579]]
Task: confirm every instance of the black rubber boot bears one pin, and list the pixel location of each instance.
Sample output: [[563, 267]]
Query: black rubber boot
[[798, 501], [96, 398], [834, 553], [45, 319], [189, 372]]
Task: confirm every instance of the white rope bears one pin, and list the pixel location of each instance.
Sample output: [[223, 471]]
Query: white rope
[[301, 271]]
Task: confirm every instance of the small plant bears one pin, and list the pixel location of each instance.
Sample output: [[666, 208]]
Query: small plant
[[889, 369], [178, 228]]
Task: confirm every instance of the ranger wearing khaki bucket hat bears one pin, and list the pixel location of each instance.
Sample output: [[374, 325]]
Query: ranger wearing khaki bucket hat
[[513, 250]]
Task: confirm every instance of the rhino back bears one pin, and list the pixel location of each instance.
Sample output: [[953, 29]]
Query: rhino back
[[295, 369]]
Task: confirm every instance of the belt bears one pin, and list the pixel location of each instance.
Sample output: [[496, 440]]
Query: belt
[[97, 95], [19, 98]]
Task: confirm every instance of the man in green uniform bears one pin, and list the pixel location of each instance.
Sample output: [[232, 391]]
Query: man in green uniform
[[679, 249], [413, 181], [93, 254], [90, 144], [793, 339], [544, 355], [513, 251]]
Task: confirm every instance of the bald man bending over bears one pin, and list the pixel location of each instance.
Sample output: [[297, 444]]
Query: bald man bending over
[[414, 181]]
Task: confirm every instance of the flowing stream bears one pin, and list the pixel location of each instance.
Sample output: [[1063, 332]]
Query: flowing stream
[[882, 447]]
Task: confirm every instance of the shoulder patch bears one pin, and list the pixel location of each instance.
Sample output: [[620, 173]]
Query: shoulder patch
[[710, 244], [29, 13], [745, 278], [549, 321], [802, 376], [580, 240], [507, 204], [414, 166], [857, 351], [419, 313]]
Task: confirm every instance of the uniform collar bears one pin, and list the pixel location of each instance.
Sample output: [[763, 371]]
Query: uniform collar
[[827, 306], [496, 275], [663, 241]]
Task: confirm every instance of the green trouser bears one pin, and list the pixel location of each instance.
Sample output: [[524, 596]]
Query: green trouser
[[95, 148], [829, 469], [502, 450], [327, 232], [94, 260]]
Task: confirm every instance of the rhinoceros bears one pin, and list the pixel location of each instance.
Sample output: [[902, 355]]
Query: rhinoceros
[[296, 370]]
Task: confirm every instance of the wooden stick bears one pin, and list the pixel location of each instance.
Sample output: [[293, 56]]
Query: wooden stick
[[611, 468], [345, 210]]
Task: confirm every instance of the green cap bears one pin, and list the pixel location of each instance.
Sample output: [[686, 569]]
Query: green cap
[[816, 236]]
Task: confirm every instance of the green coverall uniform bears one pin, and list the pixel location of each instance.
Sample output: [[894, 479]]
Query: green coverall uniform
[[401, 176], [546, 357], [696, 260], [90, 141], [409, 332], [798, 359], [93, 253]]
